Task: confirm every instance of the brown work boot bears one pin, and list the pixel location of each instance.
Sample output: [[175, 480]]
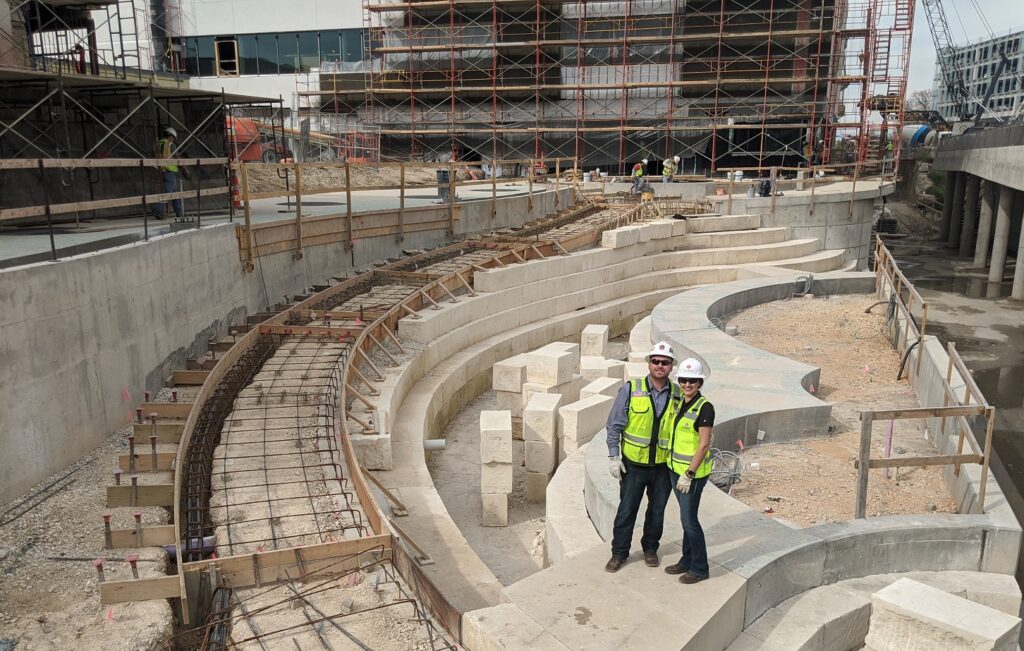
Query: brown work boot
[[651, 559], [676, 568], [614, 563], [690, 577]]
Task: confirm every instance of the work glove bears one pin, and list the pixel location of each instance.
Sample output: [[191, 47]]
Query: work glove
[[683, 484], [616, 467]]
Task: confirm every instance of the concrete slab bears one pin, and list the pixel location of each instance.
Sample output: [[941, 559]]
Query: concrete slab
[[594, 340], [606, 386], [540, 418], [509, 374], [505, 627], [549, 367], [823, 619]]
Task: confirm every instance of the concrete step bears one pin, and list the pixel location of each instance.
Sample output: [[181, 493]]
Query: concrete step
[[718, 223], [829, 618], [819, 262]]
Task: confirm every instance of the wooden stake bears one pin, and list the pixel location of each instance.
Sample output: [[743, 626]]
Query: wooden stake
[[401, 202], [247, 213], [991, 419], [298, 209], [348, 206], [383, 349], [364, 379], [469, 288], [863, 458]]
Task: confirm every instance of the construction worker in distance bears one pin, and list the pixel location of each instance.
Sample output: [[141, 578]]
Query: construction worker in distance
[[689, 464], [638, 176], [637, 421], [669, 169], [169, 174]]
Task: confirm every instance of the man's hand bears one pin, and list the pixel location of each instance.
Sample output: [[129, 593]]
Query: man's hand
[[186, 173], [683, 485], [616, 467]]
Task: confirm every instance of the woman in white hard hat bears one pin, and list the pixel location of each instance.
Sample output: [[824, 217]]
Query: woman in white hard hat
[[689, 464]]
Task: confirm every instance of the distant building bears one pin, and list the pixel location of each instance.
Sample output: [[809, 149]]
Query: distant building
[[979, 61]]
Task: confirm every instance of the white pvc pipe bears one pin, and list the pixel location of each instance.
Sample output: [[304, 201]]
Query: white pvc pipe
[[432, 445]]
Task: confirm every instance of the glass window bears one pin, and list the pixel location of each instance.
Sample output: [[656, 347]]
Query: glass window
[[288, 52], [247, 56], [330, 46], [191, 58], [204, 56], [266, 48], [309, 54], [227, 57]]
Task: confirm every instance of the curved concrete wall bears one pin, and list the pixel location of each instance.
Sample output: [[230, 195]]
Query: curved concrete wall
[[81, 339]]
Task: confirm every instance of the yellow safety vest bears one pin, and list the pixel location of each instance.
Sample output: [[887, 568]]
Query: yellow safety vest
[[686, 440], [163, 150], [638, 435], [669, 168]]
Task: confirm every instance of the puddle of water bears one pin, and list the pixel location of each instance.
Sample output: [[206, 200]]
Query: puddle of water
[[964, 286]]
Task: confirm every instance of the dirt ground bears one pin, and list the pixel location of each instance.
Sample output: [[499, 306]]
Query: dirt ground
[[813, 481], [49, 594], [314, 178]]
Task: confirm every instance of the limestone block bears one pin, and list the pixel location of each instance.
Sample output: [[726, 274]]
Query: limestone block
[[510, 401], [509, 374], [605, 386], [537, 486], [495, 437], [634, 370], [620, 237], [660, 229], [540, 417], [565, 448], [495, 478], [495, 509], [579, 421], [550, 367], [541, 456], [912, 616], [594, 340], [678, 227], [566, 347], [644, 233], [570, 391], [637, 357], [592, 368]]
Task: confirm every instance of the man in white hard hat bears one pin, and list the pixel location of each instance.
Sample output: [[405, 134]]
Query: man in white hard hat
[[635, 458], [689, 463], [638, 172], [168, 174], [669, 169]]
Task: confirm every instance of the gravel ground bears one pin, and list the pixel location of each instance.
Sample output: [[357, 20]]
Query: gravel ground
[[813, 481]]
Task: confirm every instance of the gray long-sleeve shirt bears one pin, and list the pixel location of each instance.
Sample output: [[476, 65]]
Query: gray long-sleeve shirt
[[619, 416]]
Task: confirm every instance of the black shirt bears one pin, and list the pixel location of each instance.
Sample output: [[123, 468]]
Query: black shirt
[[705, 417]]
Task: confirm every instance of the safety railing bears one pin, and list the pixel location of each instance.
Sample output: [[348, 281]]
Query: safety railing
[[904, 300]]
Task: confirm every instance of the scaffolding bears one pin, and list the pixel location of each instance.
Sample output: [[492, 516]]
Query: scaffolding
[[721, 83]]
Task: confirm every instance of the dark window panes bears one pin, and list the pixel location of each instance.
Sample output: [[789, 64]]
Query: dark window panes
[[191, 57], [204, 55], [287, 52], [309, 54], [247, 55], [352, 45], [330, 46], [266, 48]]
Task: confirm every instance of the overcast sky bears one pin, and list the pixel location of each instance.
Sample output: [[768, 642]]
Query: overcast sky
[[965, 26]]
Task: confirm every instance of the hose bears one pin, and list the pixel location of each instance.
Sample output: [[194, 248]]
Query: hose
[[808, 280], [906, 355], [726, 469]]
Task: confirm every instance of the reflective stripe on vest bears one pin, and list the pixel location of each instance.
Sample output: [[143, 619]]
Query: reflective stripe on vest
[[686, 440], [163, 150], [639, 430]]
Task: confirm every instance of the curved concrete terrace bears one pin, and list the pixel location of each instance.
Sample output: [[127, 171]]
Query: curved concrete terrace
[[465, 339], [757, 563]]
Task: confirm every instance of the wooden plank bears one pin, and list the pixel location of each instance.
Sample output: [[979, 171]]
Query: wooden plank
[[99, 204], [863, 454], [166, 409], [367, 315], [144, 460], [907, 462], [278, 566], [310, 331], [927, 412], [148, 495], [189, 378], [152, 536], [74, 163], [165, 432], [118, 592]]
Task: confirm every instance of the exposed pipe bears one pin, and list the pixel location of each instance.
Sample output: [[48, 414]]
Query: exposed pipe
[[433, 445]]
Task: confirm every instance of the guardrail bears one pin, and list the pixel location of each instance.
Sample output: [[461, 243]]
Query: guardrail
[[888, 276]]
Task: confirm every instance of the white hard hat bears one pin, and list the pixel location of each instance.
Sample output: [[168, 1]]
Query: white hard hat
[[170, 132], [675, 158], [691, 368], [661, 349], [644, 161]]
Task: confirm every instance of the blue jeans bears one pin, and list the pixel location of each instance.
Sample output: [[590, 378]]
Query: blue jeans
[[695, 549], [654, 481], [170, 185]]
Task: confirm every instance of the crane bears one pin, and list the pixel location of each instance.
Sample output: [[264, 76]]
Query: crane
[[952, 72]]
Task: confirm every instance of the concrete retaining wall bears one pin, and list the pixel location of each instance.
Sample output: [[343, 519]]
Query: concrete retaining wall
[[81, 339]]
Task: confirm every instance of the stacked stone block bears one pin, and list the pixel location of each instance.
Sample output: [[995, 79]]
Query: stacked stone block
[[540, 430], [580, 421], [495, 466]]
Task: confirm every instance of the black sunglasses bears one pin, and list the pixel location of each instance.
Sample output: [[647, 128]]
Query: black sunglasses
[[661, 362], [689, 380]]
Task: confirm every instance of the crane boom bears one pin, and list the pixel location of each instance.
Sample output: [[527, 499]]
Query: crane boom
[[952, 71]]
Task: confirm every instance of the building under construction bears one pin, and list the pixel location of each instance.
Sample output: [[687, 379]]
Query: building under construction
[[721, 83]]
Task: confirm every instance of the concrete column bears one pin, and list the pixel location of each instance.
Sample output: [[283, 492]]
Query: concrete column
[[957, 216], [1018, 270], [970, 215], [988, 205], [1002, 236], [947, 204]]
